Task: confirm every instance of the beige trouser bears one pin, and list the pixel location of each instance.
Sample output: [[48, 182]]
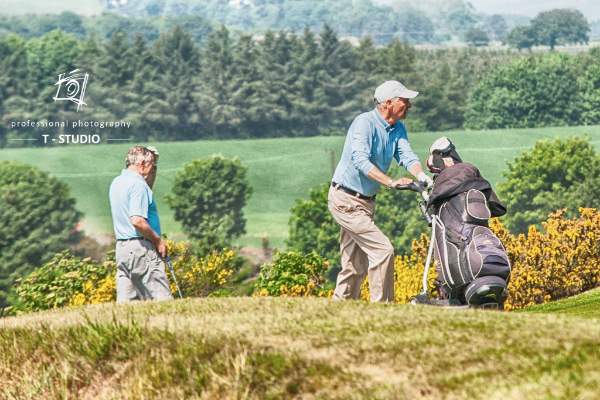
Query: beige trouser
[[363, 248]]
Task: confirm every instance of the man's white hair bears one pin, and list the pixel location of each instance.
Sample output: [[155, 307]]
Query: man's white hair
[[381, 105], [137, 155]]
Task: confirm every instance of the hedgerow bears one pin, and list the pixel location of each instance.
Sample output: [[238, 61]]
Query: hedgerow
[[66, 280], [71, 281]]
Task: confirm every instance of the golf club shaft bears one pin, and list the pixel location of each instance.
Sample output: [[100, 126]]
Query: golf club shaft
[[173, 274]]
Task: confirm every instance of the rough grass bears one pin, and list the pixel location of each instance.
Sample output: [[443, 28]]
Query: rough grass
[[280, 170], [261, 348]]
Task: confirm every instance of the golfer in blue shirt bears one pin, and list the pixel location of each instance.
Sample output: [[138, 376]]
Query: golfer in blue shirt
[[373, 140], [140, 249]]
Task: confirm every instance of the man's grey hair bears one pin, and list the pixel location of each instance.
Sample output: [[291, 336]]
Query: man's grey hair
[[137, 155]]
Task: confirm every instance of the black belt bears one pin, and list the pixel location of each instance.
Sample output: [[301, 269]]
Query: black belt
[[127, 240], [352, 192]]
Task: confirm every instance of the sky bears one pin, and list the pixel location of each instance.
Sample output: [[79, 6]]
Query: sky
[[531, 8]]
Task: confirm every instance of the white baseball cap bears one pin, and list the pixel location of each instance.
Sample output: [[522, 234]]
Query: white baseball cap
[[392, 89], [155, 152]]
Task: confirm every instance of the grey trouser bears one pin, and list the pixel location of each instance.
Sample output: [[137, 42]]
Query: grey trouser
[[140, 272], [363, 248]]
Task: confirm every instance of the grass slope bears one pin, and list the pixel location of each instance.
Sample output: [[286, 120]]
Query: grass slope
[[249, 348], [584, 305], [280, 170]]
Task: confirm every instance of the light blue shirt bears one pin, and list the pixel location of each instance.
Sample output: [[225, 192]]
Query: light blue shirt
[[130, 196], [372, 142]]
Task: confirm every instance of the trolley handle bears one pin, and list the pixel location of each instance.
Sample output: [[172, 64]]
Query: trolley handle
[[415, 186]]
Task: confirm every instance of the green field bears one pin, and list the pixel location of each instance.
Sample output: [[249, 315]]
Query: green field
[[284, 348], [280, 170]]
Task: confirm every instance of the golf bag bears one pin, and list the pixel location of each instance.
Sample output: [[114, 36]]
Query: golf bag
[[470, 260]]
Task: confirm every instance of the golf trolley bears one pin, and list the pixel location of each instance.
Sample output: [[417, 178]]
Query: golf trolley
[[472, 265]]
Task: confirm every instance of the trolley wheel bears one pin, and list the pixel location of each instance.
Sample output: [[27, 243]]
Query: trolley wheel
[[422, 298]]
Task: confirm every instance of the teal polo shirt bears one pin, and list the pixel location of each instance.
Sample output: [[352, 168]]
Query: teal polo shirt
[[130, 196]]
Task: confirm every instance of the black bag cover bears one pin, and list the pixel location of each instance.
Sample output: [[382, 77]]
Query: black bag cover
[[460, 178]]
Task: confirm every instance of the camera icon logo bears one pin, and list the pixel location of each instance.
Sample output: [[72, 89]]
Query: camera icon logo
[[73, 89]]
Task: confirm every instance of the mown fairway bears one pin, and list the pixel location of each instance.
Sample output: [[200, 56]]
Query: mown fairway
[[280, 170], [283, 348]]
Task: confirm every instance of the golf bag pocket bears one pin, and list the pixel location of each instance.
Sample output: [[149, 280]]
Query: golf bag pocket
[[476, 206], [486, 255], [468, 208]]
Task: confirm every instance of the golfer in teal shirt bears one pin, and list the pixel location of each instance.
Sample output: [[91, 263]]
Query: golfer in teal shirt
[[140, 249]]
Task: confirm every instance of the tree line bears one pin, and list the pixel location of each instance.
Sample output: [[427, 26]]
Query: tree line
[[287, 84], [357, 18], [104, 26]]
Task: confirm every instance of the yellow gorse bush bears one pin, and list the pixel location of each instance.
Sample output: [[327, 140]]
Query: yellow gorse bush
[[308, 290], [104, 291], [198, 277], [561, 262]]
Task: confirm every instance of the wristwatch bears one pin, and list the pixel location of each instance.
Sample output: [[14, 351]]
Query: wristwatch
[[389, 184]]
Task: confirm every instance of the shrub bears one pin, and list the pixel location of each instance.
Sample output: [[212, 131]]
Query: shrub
[[66, 280], [37, 217], [551, 176], [199, 277], [562, 262], [294, 274], [208, 198]]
